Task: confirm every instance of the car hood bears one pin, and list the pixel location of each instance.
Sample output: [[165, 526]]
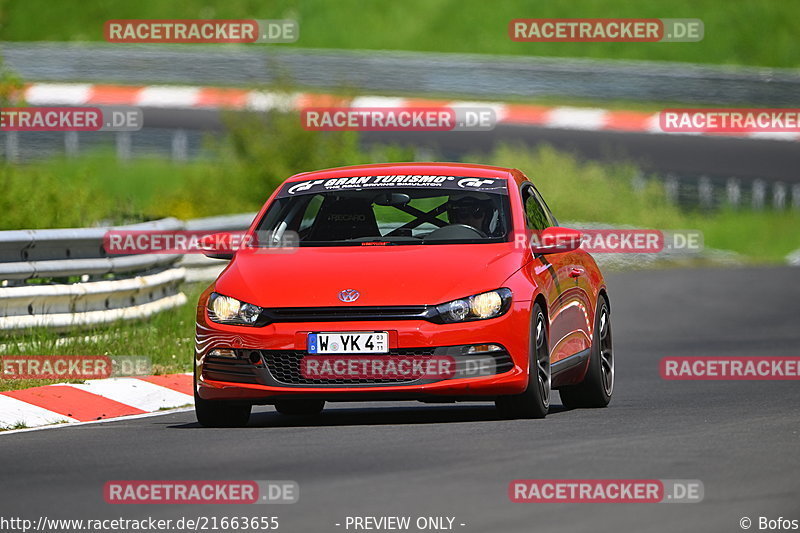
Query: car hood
[[385, 275]]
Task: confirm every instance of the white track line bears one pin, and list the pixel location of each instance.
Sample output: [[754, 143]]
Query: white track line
[[104, 421], [266, 100], [58, 93], [377, 101], [576, 118], [165, 96], [500, 109]]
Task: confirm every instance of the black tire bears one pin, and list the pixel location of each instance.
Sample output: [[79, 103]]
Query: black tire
[[598, 385], [535, 401], [300, 407], [218, 414]]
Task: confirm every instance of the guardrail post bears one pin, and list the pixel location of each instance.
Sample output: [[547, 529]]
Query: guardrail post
[[705, 191], [733, 192], [180, 146], [12, 146], [779, 195], [638, 183], [759, 192], [423, 153], [671, 189], [123, 145], [71, 143], [796, 196]]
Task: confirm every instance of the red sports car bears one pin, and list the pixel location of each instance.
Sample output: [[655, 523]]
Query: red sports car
[[433, 282]]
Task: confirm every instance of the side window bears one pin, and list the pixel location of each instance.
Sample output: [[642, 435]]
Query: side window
[[551, 220], [536, 214]]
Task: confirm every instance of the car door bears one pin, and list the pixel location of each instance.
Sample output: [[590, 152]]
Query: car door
[[565, 285]]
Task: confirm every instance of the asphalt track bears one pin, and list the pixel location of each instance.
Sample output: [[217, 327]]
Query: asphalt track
[[688, 155], [739, 438]]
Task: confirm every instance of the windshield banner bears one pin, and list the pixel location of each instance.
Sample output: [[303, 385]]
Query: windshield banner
[[462, 183]]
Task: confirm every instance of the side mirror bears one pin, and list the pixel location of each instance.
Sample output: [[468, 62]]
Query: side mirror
[[555, 240], [217, 246]]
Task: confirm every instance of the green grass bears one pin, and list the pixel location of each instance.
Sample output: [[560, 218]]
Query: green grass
[[256, 157], [16, 425], [64, 192], [761, 237], [23, 425], [742, 32], [595, 192]]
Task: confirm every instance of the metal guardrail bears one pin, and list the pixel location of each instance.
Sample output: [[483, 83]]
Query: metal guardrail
[[51, 253], [74, 305], [706, 193], [141, 284], [474, 75]]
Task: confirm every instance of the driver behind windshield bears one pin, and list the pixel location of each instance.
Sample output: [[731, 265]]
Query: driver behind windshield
[[475, 210]]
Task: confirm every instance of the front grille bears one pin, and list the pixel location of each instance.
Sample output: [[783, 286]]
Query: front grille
[[503, 363], [345, 314], [227, 369], [285, 368]]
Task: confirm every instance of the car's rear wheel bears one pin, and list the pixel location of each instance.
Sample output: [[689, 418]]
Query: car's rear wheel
[[598, 385], [535, 401], [218, 414], [299, 407]]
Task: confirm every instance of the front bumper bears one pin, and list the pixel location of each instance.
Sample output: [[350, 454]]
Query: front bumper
[[264, 371]]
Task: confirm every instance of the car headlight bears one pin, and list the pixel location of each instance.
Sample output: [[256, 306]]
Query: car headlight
[[227, 310], [477, 307]]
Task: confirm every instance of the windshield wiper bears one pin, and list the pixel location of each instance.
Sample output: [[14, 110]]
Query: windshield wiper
[[388, 240]]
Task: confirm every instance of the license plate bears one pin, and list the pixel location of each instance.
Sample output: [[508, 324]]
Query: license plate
[[349, 342]]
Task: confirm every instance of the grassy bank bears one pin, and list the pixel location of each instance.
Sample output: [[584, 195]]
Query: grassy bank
[[588, 191], [745, 32], [98, 188], [245, 166]]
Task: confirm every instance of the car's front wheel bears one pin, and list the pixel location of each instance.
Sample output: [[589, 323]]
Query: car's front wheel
[[299, 407], [597, 386], [535, 401], [218, 414]]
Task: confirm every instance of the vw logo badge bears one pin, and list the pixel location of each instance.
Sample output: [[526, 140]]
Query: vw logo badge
[[349, 295]]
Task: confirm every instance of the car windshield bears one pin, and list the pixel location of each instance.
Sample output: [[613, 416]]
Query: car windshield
[[454, 210]]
